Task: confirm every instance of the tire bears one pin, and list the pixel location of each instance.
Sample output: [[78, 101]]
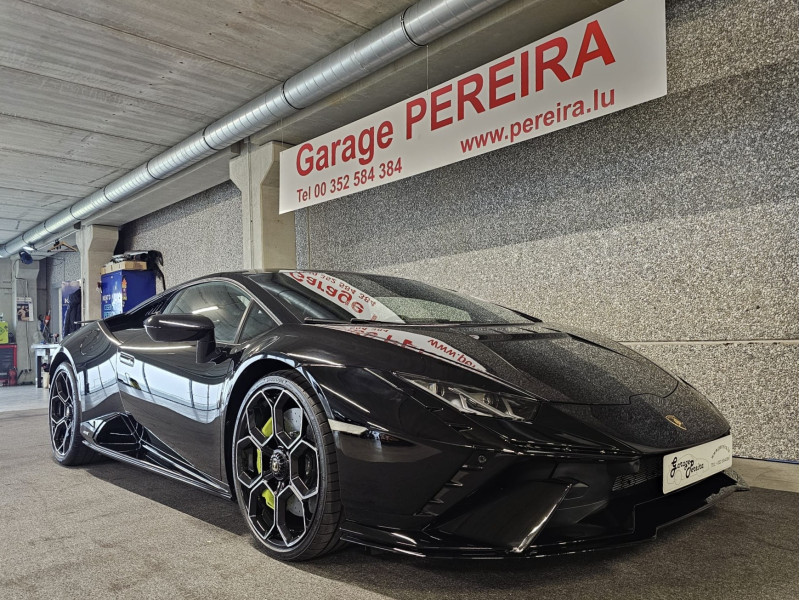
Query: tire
[[65, 419], [285, 471]]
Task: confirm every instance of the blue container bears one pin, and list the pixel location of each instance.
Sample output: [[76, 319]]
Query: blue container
[[122, 290]]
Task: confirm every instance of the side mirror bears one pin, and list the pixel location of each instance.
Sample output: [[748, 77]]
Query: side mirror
[[184, 328]]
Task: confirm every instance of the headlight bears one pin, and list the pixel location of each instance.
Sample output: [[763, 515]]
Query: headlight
[[478, 402]]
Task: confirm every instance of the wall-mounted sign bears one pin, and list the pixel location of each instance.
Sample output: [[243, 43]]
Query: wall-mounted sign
[[24, 309], [610, 61]]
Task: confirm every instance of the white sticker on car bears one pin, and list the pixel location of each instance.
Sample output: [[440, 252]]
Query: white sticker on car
[[694, 464]]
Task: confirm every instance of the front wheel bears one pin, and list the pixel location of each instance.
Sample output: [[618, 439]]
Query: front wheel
[[65, 419], [286, 477]]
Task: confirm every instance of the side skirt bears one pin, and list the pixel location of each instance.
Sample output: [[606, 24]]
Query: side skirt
[[217, 491], [117, 436]]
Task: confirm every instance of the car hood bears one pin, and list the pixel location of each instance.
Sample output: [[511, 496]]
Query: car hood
[[553, 362]]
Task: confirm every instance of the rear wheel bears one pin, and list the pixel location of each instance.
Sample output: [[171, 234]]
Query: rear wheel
[[65, 419], [285, 473]]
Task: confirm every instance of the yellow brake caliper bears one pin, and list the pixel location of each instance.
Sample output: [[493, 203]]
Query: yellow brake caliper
[[267, 494]]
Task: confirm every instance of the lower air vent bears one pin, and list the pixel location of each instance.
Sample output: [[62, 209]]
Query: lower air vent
[[647, 473]]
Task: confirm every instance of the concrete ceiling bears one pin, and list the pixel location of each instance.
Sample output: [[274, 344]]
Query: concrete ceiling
[[90, 89], [513, 25]]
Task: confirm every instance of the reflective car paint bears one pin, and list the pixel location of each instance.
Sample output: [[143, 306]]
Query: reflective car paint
[[416, 474]]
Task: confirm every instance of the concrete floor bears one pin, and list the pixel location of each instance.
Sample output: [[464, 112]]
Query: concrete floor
[[110, 530], [22, 397]]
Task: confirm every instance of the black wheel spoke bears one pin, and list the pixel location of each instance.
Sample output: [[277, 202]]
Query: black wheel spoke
[[248, 485], [67, 436], [290, 518], [303, 470]]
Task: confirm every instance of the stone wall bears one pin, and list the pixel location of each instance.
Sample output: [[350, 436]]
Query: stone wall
[[197, 236]]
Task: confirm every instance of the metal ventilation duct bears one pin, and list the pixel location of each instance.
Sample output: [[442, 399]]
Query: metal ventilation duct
[[417, 26]]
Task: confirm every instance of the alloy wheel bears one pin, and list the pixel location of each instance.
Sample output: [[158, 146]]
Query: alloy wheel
[[277, 466], [62, 412]]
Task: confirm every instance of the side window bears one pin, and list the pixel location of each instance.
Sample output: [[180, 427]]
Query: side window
[[134, 319], [223, 303], [257, 322]]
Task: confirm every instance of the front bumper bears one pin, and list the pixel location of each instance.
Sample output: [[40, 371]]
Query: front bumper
[[621, 519]]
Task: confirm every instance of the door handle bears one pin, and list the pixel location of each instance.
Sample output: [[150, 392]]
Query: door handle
[[126, 359]]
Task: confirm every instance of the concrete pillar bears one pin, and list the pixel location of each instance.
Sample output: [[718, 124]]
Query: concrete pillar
[[23, 285], [268, 238], [96, 245], [6, 293]]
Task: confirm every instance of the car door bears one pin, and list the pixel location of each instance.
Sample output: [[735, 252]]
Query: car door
[[176, 398]]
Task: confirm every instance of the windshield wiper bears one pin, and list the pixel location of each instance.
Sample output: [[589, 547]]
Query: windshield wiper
[[356, 321], [411, 323], [368, 321], [313, 321]]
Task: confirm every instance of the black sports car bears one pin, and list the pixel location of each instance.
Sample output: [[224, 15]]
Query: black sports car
[[343, 407]]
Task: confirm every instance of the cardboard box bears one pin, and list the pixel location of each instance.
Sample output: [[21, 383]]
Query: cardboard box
[[125, 265]]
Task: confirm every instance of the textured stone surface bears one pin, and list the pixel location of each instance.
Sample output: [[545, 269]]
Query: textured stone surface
[[673, 220], [754, 385], [64, 266], [723, 276], [732, 36], [197, 236], [301, 237]]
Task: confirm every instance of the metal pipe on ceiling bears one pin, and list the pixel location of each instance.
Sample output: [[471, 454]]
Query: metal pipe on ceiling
[[417, 26]]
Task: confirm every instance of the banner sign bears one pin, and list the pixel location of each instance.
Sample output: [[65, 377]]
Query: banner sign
[[414, 341], [358, 304], [607, 62]]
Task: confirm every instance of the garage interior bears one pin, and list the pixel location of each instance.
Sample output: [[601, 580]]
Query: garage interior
[[671, 226]]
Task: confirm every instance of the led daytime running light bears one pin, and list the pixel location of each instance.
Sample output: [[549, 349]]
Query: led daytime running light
[[479, 402]]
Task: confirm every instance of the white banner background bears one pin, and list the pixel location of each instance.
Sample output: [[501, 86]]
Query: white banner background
[[380, 151]]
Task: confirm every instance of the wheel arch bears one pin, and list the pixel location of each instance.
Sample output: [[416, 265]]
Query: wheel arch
[[60, 358], [254, 370], [63, 356]]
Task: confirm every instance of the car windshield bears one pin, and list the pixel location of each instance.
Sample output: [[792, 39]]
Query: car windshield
[[354, 297]]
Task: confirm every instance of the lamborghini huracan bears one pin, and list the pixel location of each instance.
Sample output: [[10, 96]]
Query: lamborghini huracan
[[342, 407]]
